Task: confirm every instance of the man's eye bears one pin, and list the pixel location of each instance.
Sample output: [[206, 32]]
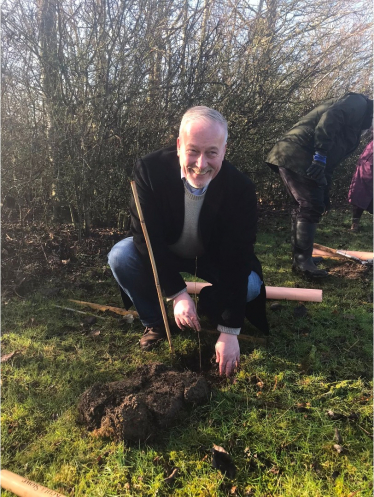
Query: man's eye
[[212, 154], [192, 151]]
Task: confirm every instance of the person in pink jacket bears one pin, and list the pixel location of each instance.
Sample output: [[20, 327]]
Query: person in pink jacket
[[360, 194]]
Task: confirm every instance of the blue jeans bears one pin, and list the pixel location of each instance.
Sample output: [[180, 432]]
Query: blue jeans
[[137, 281]]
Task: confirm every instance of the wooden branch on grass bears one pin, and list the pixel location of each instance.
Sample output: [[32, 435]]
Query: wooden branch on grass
[[103, 308], [79, 312]]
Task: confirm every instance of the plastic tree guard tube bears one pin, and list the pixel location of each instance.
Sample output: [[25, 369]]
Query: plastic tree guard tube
[[272, 292], [321, 250]]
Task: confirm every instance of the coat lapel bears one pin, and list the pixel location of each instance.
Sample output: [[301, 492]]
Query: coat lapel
[[214, 198], [174, 190]]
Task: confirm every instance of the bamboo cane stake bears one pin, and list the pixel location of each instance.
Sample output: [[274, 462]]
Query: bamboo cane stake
[[153, 262], [23, 487]]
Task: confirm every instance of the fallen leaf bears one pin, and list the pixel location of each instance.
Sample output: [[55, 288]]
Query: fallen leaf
[[6, 357], [338, 448], [218, 448], [334, 415], [95, 333], [172, 476]]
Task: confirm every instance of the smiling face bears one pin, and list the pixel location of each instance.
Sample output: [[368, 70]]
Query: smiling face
[[201, 149]]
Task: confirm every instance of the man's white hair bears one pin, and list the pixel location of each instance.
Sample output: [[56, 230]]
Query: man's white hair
[[202, 113]]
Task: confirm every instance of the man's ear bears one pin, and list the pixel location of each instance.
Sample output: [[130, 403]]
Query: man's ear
[[178, 145]]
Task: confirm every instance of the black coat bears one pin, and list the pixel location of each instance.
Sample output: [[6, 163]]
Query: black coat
[[333, 129], [227, 225]]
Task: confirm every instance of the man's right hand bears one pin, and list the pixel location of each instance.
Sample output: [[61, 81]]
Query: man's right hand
[[185, 312]]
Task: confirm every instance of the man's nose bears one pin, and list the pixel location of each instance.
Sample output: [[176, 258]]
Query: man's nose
[[201, 161]]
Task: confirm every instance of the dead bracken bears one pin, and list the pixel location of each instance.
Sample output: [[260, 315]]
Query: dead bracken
[[137, 407]]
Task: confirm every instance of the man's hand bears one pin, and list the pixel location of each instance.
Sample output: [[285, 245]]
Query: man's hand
[[227, 353], [185, 312]]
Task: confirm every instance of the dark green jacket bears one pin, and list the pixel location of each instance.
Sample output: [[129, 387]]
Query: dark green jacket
[[333, 129]]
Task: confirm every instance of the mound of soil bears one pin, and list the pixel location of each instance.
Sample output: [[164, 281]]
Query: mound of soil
[[139, 406], [352, 270]]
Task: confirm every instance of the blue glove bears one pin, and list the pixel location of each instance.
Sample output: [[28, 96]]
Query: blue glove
[[316, 170]]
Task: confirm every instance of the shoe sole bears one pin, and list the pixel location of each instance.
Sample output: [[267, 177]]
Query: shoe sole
[[309, 274], [152, 344]]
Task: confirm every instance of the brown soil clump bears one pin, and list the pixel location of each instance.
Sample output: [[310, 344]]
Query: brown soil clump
[[351, 270], [138, 407]]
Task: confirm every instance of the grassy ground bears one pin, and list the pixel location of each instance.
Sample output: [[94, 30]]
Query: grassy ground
[[279, 418]]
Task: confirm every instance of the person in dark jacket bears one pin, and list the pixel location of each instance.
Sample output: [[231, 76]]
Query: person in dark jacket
[[201, 216], [360, 194], [306, 157]]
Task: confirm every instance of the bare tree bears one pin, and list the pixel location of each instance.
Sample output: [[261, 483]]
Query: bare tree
[[90, 86]]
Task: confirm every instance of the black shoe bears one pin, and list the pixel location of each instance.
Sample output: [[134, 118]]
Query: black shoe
[[309, 270], [152, 336]]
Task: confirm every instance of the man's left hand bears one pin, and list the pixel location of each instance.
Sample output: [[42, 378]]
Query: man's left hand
[[227, 353]]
